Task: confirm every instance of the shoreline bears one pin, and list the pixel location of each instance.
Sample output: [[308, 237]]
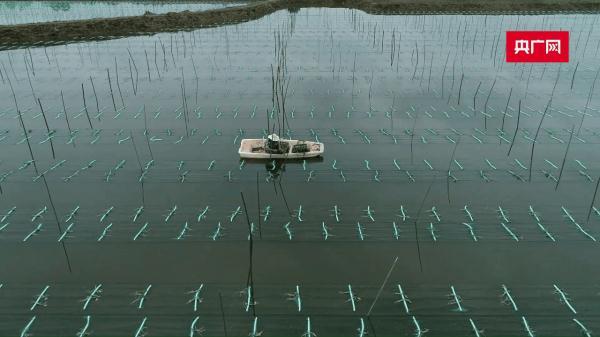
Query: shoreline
[[60, 32]]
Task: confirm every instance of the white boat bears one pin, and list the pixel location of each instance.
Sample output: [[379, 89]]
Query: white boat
[[276, 148]]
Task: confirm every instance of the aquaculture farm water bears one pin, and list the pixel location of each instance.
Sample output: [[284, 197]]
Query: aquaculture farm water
[[130, 220]]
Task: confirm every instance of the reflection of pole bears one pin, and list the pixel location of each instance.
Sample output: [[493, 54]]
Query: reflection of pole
[[412, 136], [66, 115], [112, 96], [146, 132], [392, 113], [258, 205], [593, 199], [57, 221], [85, 106], [382, 286], [96, 96], [588, 100], [250, 280], [223, 314], [282, 192], [449, 165], [506, 109], [475, 97], [460, 87], [415, 224], [23, 126], [36, 171], [535, 138], [47, 128], [117, 80], [486, 103], [564, 158], [516, 130], [137, 156]]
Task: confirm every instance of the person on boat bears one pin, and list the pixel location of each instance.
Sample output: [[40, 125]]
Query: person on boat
[[275, 145]]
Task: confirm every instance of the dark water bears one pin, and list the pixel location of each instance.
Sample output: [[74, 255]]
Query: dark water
[[335, 96]]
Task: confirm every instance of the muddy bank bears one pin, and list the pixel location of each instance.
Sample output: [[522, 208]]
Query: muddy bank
[[149, 23]]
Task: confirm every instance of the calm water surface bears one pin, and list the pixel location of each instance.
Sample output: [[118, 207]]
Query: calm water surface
[[382, 93]]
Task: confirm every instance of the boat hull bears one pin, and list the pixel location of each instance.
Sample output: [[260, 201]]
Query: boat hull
[[254, 149]]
